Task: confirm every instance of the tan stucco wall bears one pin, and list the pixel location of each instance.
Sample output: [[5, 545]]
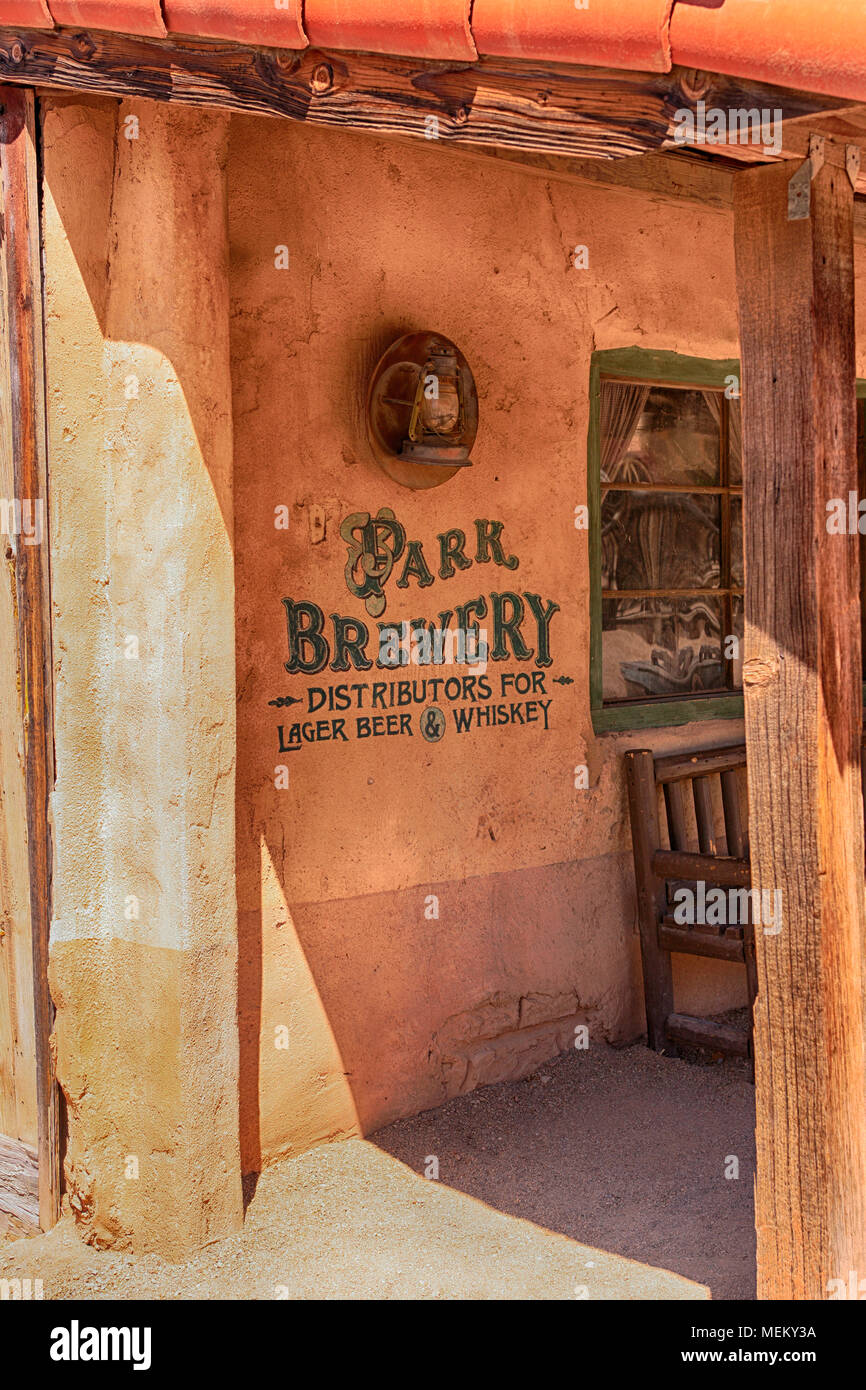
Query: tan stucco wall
[[387, 1011], [143, 941]]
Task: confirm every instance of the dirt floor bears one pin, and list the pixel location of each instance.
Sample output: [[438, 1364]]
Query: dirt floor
[[601, 1176], [623, 1150]]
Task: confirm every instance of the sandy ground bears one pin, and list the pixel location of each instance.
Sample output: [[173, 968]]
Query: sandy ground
[[623, 1150], [602, 1176]]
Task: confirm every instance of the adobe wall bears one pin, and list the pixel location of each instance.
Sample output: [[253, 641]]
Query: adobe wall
[[143, 953], [414, 917], [388, 1010]]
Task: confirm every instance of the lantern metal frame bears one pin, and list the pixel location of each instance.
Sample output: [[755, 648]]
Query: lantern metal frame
[[405, 444]]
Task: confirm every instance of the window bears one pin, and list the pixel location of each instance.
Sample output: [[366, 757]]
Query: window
[[667, 539], [671, 541]]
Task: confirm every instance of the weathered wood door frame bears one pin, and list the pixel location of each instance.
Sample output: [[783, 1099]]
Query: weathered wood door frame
[[803, 705], [23, 365]]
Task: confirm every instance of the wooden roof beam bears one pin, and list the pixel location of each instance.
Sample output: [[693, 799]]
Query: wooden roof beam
[[503, 103]]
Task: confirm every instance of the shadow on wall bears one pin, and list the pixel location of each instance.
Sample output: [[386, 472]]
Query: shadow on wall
[[159, 391], [358, 1020]]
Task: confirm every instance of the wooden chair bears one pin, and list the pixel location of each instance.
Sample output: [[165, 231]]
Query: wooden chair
[[674, 803]]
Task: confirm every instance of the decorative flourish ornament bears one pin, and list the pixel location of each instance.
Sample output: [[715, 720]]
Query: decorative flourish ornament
[[374, 546]]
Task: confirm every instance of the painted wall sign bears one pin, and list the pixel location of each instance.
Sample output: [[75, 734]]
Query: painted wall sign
[[502, 625], [375, 545]]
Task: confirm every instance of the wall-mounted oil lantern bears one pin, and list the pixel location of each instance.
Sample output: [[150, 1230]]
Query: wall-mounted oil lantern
[[422, 411]]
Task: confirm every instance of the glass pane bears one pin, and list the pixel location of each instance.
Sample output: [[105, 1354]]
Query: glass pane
[[737, 573], [658, 434], [735, 443], [738, 626], [661, 646], [659, 540]]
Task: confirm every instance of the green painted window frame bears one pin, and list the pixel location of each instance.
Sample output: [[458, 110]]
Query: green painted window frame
[[661, 366], [646, 365]]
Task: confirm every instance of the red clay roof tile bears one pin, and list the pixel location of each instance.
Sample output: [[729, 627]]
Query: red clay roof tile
[[122, 16], [416, 28], [241, 21], [795, 43], [30, 14], [606, 33]]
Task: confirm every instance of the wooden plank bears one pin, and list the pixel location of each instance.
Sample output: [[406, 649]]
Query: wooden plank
[[692, 942], [21, 345], [17, 1226], [545, 107], [657, 973], [677, 834], [734, 834], [701, 1032], [803, 708], [18, 1109], [19, 1188], [751, 962], [681, 765], [704, 815], [711, 868]]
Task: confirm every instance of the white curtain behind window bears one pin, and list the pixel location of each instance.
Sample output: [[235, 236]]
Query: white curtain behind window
[[621, 406]]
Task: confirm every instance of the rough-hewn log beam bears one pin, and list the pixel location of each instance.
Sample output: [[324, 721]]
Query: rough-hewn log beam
[[802, 682], [585, 112]]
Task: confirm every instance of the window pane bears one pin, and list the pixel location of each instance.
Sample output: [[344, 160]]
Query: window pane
[[737, 574], [661, 646], [657, 540], [657, 434]]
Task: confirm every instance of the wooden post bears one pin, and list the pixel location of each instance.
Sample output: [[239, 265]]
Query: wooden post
[[803, 706], [658, 983], [21, 353]]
